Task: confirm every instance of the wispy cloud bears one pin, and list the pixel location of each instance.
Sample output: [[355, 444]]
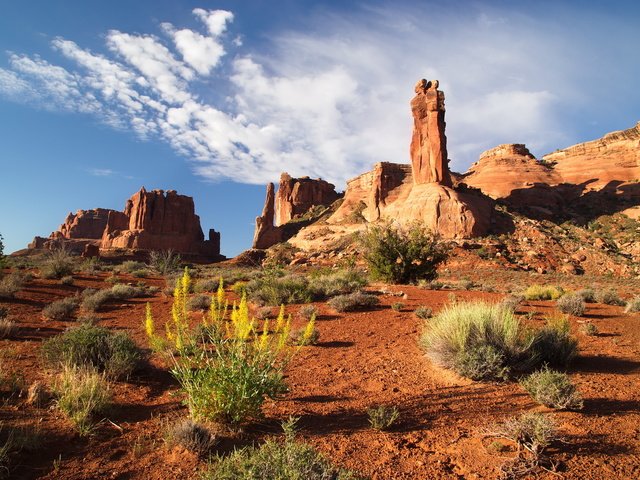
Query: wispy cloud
[[327, 101]]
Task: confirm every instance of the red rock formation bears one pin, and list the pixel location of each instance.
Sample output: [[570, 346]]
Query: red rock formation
[[151, 221], [612, 158], [428, 148], [297, 195], [266, 233], [159, 220]]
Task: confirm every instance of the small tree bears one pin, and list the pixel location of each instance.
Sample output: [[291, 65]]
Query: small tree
[[402, 254], [2, 257]]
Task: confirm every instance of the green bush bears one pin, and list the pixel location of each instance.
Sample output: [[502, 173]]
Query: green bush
[[353, 301], [553, 345], [273, 290], [273, 460], [86, 345], [336, 283], [540, 292], [552, 389], [382, 418], [3, 259], [397, 306], [81, 394], [60, 309], [572, 304], [402, 255]]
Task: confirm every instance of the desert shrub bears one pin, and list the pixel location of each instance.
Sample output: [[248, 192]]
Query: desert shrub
[[511, 302], [92, 265], [123, 292], [7, 328], [4, 312], [402, 255], [164, 262], [308, 311], [480, 340], [633, 305], [199, 302], [94, 300], [81, 394], [543, 292], [240, 288], [190, 435], [608, 297], [208, 285], [3, 260], [37, 394], [59, 263], [466, 284], [431, 284], [11, 284], [587, 294], [572, 304], [589, 329], [353, 301], [274, 460], [273, 290], [68, 280], [532, 431], [114, 353], [60, 309], [382, 417], [336, 283], [263, 313], [280, 255], [131, 266], [553, 345], [423, 312], [552, 389], [397, 306]]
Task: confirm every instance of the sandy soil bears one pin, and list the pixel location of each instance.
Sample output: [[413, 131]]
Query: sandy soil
[[362, 360]]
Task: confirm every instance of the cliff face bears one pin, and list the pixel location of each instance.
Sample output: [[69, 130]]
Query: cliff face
[[155, 220], [614, 157], [266, 233], [297, 195]]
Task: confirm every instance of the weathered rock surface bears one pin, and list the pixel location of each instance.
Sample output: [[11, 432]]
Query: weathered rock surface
[[428, 147], [296, 196], [155, 220], [159, 220], [612, 158], [266, 233]]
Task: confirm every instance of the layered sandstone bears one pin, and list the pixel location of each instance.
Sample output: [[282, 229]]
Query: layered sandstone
[[297, 195], [159, 220], [612, 158], [155, 220], [507, 168]]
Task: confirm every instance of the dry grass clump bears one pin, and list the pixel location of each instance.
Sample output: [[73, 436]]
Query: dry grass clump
[[572, 304], [12, 283], [512, 302], [485, 341], [587, 294], [191, 435], [353, 301], [60, 309], [58, 264], [94, 300], [308, 311], [423, 312], [7, 328], [208, 285], [608, 296], [589, 329], [81, 394], [552, 389], [633, 305], [67, 280], [274, 290], [543, 292], [199, 302], [164, 262]]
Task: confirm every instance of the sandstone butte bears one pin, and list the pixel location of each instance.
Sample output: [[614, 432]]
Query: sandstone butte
[[422, 191], [155, 220]]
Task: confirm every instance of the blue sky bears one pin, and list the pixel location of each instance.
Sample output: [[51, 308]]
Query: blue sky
[[215, 99]]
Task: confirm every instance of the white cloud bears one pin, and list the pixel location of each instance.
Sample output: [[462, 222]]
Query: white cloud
[[101, 172], [331, 98]]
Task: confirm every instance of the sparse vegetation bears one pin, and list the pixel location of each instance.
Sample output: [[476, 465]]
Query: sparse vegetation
[[274, 460], [11, 284], [199, 302], [67, 280], [633, 305], [423, 312], [543, 292], [402, 255], [588, 295], [397, 306], [572, 304], [608, 296], [114, 353], [190, 435], [307, 311], [307, 335], [277, 290], [589, 329], [60, 309], [382, 417], [7, 328], [553, 345], [164, 262], [353, 301], [532, 431], [58, 264], [81, 393], [552, 389]]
